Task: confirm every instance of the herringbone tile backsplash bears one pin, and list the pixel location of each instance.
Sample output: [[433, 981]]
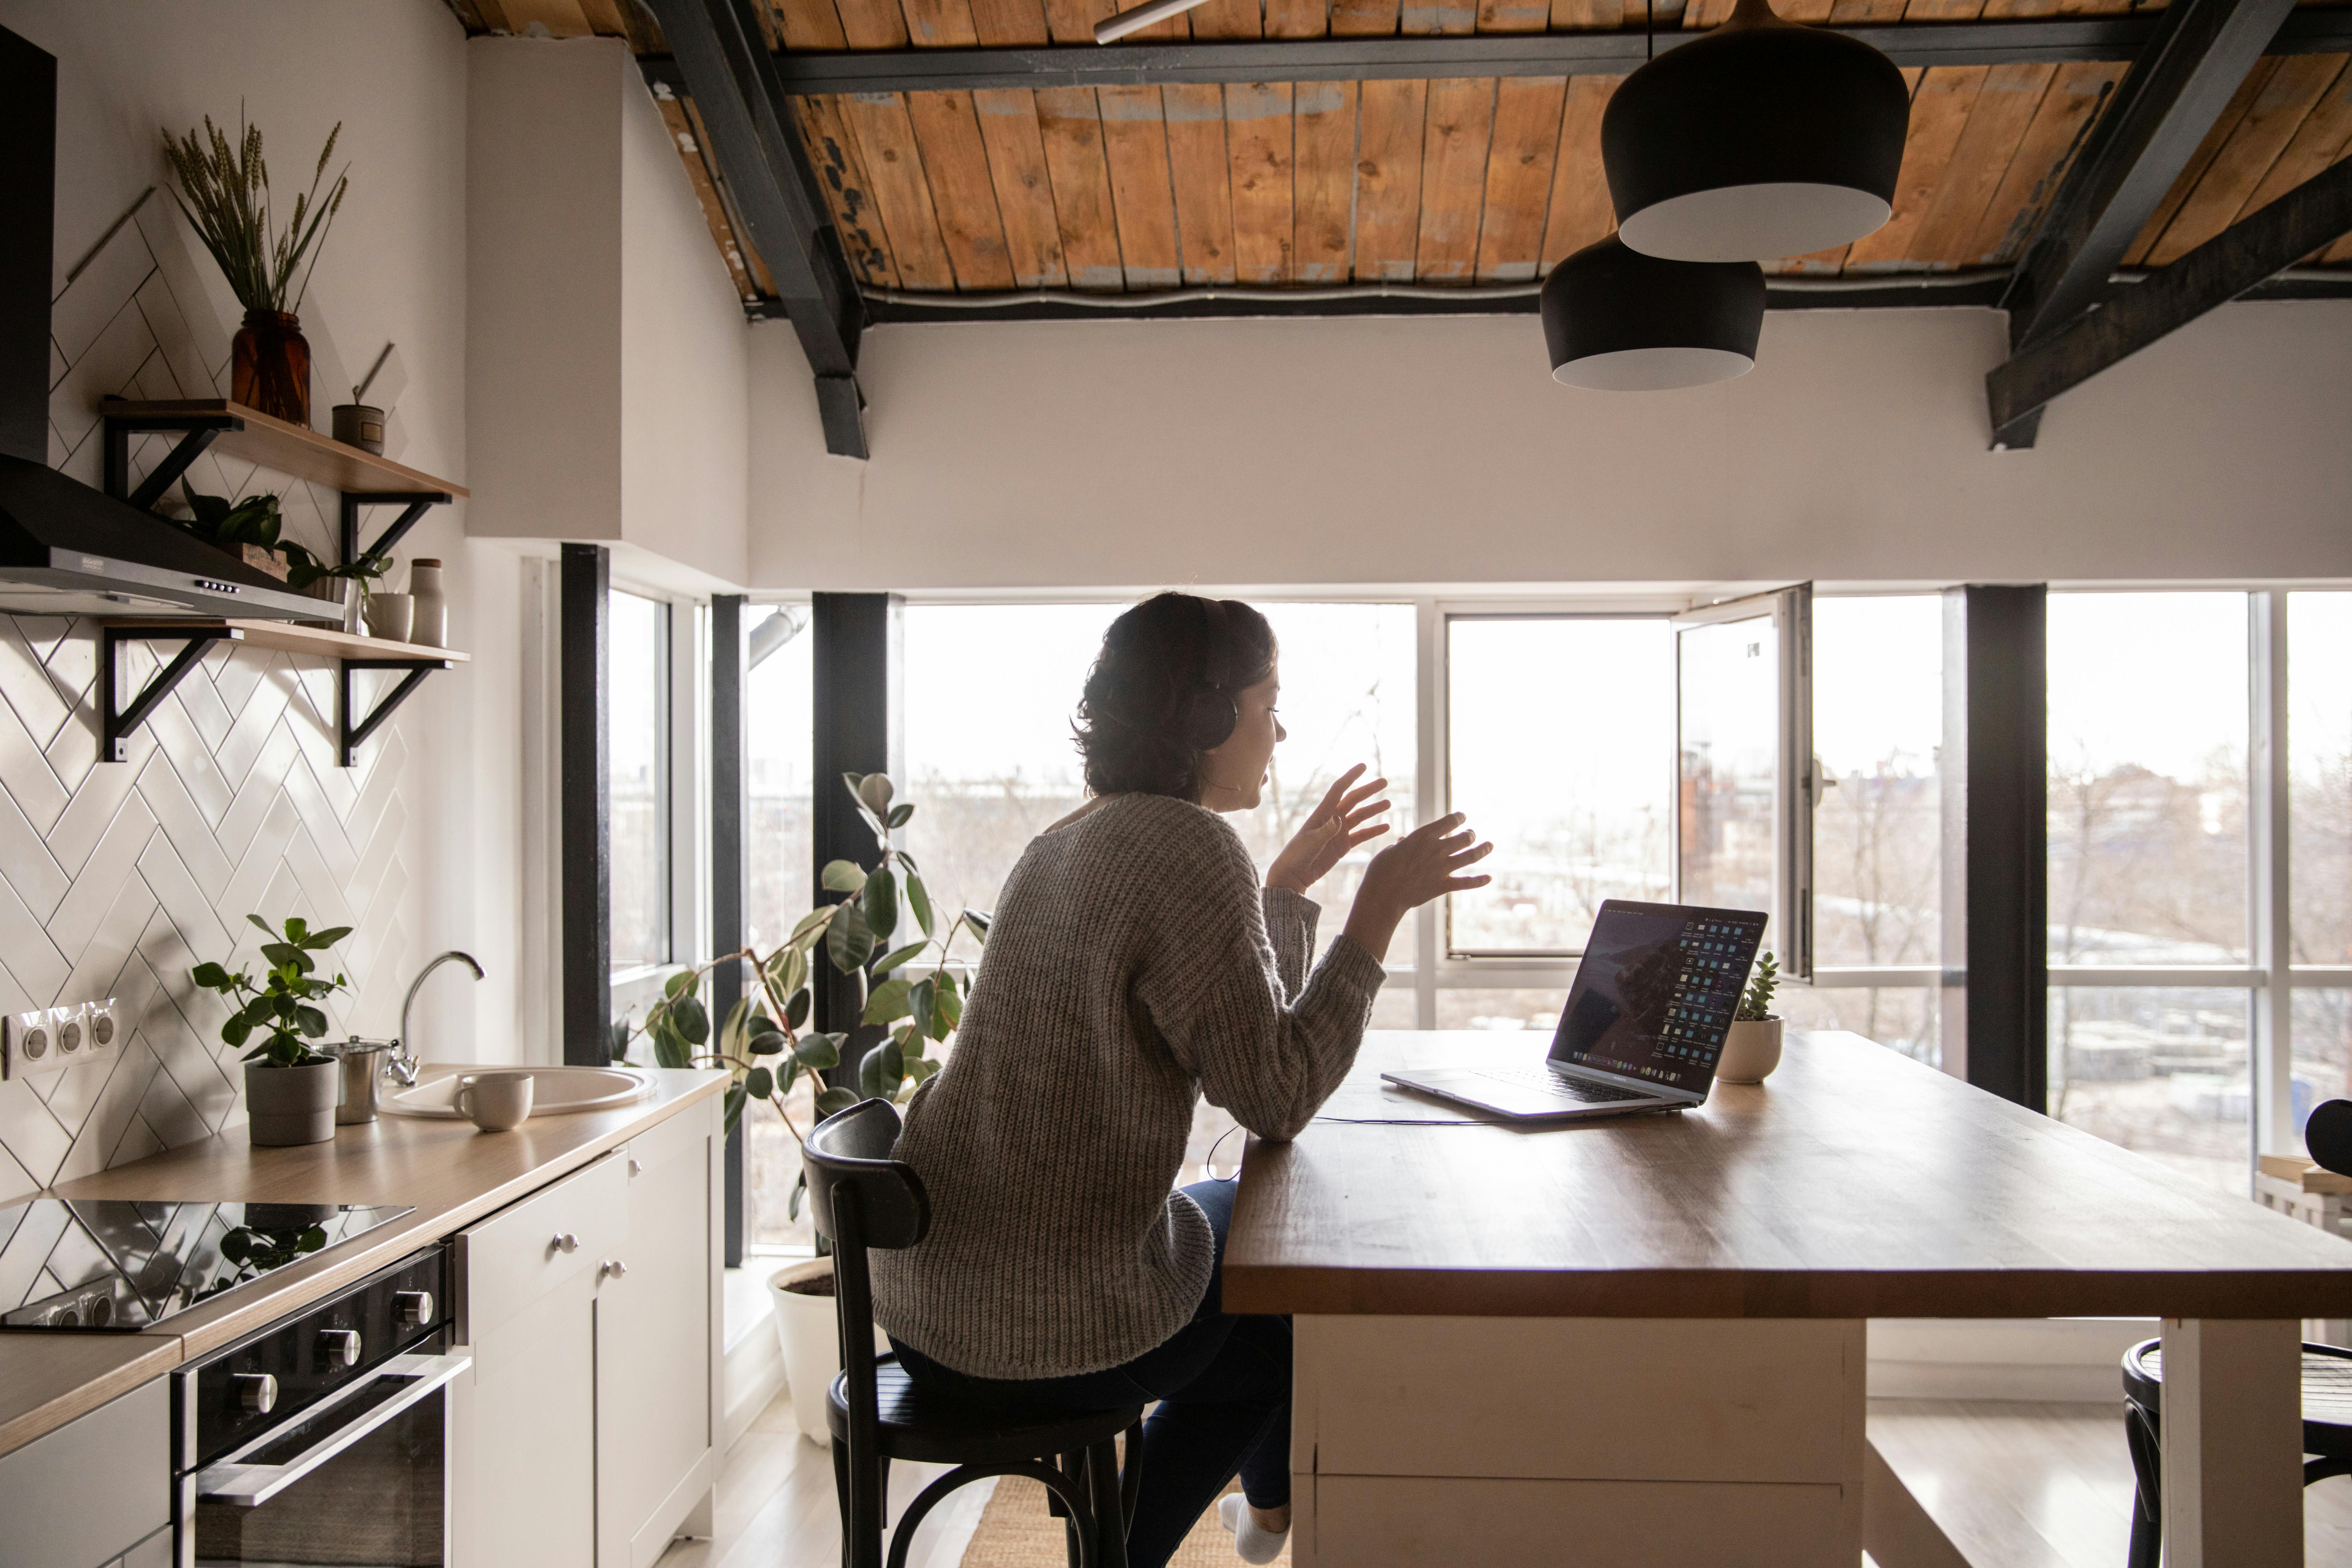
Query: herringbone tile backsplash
[[116, 878]]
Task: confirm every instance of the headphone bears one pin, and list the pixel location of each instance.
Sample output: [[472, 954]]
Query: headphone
[[1211, 712]]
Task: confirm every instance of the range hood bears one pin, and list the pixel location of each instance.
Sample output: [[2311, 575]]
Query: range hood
[[65, 547]]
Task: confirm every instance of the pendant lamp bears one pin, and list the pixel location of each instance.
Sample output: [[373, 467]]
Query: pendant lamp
[[1617, 320], [1761, 139]]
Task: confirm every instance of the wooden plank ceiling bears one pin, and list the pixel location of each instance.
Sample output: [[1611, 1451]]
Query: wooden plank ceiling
[[1443, 182]]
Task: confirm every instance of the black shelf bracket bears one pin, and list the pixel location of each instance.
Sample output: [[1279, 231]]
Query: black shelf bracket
[[116, 723], [414, 504], [197, 432], [350, 735]]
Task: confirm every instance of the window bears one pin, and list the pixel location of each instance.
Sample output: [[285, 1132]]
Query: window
[[779, 884], [637, 719], [2319, 837]]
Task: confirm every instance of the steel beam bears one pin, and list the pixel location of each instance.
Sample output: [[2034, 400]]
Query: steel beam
[[2315, 213], [721, 61], [1926, 44]]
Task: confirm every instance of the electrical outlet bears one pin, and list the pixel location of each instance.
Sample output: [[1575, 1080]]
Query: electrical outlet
[[100, 1020], [66, 1029], [26, 1044], [52, 1038]]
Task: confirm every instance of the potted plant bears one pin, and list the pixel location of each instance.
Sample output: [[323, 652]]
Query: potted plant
[[223, 192], [290, 1089], [1751, 1048], [305, 571], [766, 1044]]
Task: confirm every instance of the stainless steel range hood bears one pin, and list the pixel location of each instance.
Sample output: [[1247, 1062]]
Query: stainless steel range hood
[[65, 547]]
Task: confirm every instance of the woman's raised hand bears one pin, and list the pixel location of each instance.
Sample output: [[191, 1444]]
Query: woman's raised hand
[[1434, 859], [1342, 821]]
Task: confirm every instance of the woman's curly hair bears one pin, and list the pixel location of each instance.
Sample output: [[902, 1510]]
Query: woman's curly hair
[[1162, 691]]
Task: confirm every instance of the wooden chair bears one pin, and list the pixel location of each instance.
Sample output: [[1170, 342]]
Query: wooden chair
[[861, 1198], [2326, 1432]]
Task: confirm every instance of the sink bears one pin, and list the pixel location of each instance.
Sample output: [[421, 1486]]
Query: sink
[[559, 1092]]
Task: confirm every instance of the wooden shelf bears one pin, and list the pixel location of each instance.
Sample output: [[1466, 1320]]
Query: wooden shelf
[[274, 444], [293, 638]]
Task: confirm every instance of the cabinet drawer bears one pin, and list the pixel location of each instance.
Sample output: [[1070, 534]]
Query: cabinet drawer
[[528, 1248]]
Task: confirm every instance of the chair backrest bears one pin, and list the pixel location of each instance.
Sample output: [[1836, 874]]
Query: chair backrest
[[860, 1197]]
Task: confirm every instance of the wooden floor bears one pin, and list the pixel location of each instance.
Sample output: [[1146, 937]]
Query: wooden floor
[[2014, 1486]]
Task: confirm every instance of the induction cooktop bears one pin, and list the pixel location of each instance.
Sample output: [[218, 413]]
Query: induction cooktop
[[114, 1264]]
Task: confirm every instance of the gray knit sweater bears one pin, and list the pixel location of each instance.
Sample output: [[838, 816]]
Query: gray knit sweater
[[1135, 965]]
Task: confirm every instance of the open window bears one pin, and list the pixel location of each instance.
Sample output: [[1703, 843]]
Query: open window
[[1745, 785]]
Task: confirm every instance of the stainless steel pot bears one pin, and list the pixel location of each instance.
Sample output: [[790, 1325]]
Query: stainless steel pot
[[362, 1072]]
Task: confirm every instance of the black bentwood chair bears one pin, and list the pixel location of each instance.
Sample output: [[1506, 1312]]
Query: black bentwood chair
[[2326, 1432], [861, 1198]]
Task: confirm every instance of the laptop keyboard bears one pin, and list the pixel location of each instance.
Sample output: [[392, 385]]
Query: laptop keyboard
[[1582, 1090]]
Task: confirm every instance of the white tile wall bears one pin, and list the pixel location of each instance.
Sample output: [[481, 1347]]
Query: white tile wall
[[117, 879]]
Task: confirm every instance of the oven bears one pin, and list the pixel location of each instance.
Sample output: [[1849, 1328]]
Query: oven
[[324, 1438]]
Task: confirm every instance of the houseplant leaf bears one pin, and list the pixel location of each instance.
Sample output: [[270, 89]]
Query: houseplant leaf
[[881, 902], [900, 813], [841, 876], [846, 940], [821, 1053], [920, 898], [834, 1102], [900, 956], [796, 1008], [887, 1002], [691, 1020]]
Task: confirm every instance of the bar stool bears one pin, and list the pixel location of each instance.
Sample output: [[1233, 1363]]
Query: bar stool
[[860, 1197], [2326, 1432]]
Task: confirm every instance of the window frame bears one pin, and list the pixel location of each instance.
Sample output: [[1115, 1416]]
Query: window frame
[[682, 728]]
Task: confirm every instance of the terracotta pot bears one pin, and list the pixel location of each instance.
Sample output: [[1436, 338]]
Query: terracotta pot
[[1750, 1051], [292, 1105], [267, 562], [271, 366]]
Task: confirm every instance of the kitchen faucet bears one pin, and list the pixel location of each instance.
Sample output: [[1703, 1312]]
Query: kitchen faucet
[[402, 1063]]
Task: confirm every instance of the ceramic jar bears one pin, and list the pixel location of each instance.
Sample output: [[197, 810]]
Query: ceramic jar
[[269, 366], [429, 621], [389, 616], [1750, 1051]]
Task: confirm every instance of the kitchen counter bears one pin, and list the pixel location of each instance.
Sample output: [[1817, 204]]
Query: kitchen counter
[[447, 1172]]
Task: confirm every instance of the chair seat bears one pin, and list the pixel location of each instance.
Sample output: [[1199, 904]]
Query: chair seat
[[928, 1427], [2326, 1392]]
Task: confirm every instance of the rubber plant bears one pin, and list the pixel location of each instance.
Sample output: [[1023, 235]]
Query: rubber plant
[[765, 1040], [1756, 1005], [284, 1006]]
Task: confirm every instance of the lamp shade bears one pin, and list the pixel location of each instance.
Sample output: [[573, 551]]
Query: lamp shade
[[1617, 320], [1761, 139]]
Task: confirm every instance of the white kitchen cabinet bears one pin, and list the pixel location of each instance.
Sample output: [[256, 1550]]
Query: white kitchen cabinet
[[584, 1432]]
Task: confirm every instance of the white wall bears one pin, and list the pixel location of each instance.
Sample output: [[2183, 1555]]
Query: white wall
[[1438, 451]]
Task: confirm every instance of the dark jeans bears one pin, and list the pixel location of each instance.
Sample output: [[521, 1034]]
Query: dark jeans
[[1223, 1387]]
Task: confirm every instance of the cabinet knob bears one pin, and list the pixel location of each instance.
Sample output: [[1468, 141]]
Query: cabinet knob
[[256, 1392], [614, 1266], [635, 1169], [565, 1242], [339, 1344], [412, 1309]]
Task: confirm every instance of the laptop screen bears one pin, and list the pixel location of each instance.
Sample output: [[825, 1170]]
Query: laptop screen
[[1656, 990]]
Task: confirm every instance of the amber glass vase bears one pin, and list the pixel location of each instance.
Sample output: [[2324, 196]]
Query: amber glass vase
[[271, 366]]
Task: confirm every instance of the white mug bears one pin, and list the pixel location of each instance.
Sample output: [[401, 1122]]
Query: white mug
[[389, 614], [494, 1102]]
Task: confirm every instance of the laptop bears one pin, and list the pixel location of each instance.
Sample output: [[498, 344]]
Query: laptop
[[1645, 1020]]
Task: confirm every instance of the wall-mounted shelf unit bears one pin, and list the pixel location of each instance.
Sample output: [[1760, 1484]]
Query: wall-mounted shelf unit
[[215, 424], [350, 653]]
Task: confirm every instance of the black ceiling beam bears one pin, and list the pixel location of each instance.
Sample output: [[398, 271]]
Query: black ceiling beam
[[2199, 53], [2314, 215], [721, 62], [2054, 41]]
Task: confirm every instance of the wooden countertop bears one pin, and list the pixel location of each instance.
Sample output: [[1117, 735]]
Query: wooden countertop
[[1854, 1182], [447, 1172]]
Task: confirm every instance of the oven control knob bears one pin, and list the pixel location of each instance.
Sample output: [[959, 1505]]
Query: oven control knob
[[412, 1309], [339, 1345], [256, 1392]]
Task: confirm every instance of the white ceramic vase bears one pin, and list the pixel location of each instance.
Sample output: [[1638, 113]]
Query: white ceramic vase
[[1750, 1051], [428, 622], [810, 1338], [388, 616]]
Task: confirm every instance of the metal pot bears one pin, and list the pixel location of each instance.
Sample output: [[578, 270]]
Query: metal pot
[[363, 1063], [292, 1105]]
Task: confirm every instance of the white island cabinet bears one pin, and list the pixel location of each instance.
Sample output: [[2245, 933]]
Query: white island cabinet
[[586, 1431]]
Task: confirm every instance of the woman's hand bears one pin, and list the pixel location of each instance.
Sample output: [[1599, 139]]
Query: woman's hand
[[1338, 824], [1432, 860]]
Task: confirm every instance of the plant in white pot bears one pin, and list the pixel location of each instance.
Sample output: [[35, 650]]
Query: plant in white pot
[[766, 1042], [290, 1089], [1751, 1048]]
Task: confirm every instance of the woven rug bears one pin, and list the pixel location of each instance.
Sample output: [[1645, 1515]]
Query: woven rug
[[1015, 1531]]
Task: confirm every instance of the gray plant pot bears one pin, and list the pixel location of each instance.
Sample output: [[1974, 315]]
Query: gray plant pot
[[292, 1105]]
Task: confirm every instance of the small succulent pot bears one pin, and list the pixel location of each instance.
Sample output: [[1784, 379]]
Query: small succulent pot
[[292, 1105], [1751, 1050]]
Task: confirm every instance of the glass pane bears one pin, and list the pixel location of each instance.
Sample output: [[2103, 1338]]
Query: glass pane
[[1877, 833], [2148, 779], [1902, 1017], [1560, 745], [781, 880], [2162, 1072], [1535, 1011], [2323, 1051], [1730, 750], [771, 1159], [640, 764], [2319, 771]]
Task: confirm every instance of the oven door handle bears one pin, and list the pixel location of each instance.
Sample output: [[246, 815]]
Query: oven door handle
[[250, 1486]]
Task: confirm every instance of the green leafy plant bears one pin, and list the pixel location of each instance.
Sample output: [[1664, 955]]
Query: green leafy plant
[[765, 1040], [225, 194], [255, 1252], [218, 521], [1756, 1005], [284, 1006], [302, 569]]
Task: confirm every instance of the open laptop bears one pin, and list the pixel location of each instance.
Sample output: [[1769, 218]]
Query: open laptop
[[1644, 1022]]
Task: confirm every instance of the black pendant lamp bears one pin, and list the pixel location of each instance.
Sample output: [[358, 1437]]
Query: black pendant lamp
[[1617, 320], [1760, 140]]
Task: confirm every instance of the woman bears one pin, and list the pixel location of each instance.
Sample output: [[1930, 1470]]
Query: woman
[[1135, 965]]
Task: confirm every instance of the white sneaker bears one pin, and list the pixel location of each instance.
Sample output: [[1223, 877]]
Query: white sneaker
[[1252, 1544]]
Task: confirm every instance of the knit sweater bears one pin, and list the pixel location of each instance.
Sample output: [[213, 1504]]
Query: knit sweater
[[1135, 964]]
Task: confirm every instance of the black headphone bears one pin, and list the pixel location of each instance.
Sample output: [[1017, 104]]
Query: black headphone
[[1211, 712]]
